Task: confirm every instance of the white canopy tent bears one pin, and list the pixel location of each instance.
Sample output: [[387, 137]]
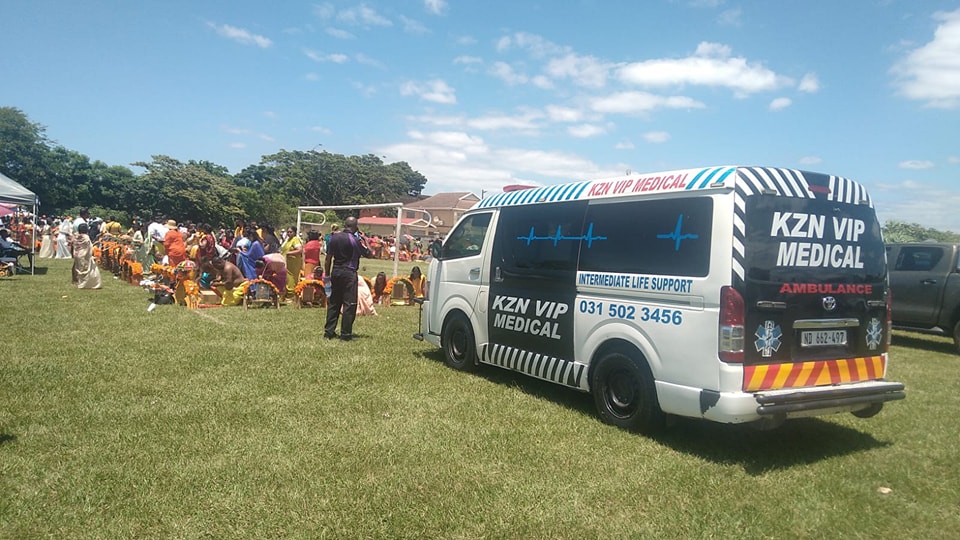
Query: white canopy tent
[[12, 192]]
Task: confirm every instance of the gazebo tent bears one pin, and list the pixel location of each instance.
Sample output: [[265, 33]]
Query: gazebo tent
[[13, 193]]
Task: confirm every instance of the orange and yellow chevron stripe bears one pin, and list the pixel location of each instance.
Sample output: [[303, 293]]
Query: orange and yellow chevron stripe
[[818, 373]]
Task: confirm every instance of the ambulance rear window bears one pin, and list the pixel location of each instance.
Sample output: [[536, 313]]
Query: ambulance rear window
[[790, 239]]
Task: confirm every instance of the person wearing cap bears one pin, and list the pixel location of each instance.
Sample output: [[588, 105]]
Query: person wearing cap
[[173, 244]]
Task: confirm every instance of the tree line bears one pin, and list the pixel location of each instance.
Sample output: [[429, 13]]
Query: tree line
[[200, 191]]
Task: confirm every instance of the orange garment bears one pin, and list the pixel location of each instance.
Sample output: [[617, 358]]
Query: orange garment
[[175, 247]]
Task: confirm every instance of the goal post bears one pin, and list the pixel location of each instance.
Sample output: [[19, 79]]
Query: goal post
[[321, 209]]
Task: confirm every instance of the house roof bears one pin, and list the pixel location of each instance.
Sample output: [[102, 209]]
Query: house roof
[[459, 199], [392, 221]]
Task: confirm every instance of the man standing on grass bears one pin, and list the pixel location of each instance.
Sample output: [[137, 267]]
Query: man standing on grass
[[344, 251]]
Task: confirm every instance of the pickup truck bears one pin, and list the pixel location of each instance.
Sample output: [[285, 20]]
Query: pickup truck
[[925, 286]]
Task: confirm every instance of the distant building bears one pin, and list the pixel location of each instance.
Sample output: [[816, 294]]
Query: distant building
[[444, 210]]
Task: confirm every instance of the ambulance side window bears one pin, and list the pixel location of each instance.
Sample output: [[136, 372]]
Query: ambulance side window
[[667, 237], [467, 239], [540, 239]]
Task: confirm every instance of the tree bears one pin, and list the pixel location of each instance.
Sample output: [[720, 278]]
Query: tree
[[898, 231], [193, 191]]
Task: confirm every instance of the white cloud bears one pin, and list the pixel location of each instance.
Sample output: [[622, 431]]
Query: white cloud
[[557, 113], [656, 137], [953, 160], [730, 17], [466, 40], [710, 65], [363, 15], [241, 35], [412, 26], [312, 76], [265, 137], [536, 46], [524, 122], [780, 103], [338, 33], [640, 102], [809, 84], [931, 73], [238, 145], [810, 160], [467, 60], [271, 115], [584, 131], [437, 7], [316, 56], [461, 162], [915, 164], [624, 145], [321, 129], [541, 81], [582, 70], [505, 73], [435, 91]]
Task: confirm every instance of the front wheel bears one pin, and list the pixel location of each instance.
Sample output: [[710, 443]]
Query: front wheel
[[625, 394], [459, 345]]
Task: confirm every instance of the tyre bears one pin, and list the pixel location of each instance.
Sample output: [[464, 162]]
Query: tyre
[[956, 337], [459, 345], [869, 412], [625, 394]]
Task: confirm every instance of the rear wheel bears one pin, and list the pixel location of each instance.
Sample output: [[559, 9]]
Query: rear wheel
[[624, 393], [956, 336], [459, 345]]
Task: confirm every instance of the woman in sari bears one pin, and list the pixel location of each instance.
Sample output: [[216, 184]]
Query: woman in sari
[[292, 249], [274, 270], [64, 231], [173, 244], [247, 259], [46, 241], [86, 275]]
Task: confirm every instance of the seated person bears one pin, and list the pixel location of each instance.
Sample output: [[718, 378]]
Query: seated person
[[10, 250], [227, 279], [273, 268]]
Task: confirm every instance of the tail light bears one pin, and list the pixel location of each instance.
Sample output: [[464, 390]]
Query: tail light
[[730, 346]]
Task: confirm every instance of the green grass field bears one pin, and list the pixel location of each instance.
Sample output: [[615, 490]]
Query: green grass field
[[116, 422]]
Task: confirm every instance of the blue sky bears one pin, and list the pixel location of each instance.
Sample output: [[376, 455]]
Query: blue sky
[[477, 94]]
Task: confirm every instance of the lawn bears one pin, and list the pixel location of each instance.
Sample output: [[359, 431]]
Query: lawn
[[116, 422]]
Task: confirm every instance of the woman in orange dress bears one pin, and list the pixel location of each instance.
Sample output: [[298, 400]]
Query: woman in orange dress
[[173, 244]]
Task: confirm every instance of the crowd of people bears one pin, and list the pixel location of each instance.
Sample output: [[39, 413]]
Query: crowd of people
[[229, 257]]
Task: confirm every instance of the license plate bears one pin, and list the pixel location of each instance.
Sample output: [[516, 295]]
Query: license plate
[[823, 338]]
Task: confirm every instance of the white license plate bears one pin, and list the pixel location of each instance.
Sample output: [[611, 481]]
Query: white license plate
[[823, 338]]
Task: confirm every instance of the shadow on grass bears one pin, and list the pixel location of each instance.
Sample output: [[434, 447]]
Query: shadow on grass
[[7, 438], [924, 342], [797, 442]]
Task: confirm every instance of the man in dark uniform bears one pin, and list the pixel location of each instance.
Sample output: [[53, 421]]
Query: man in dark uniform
[[344, 251]]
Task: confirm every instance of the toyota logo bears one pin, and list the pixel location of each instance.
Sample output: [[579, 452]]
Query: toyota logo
[[829, 303]]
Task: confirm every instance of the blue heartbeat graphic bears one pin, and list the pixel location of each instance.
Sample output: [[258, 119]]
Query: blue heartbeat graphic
[[589, 237], [675, 235]]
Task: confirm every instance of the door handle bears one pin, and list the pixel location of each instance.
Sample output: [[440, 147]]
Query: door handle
[[928, 282], [497, 275], [475, 273]]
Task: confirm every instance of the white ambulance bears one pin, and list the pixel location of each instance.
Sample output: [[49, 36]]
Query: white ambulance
[[734, 294]]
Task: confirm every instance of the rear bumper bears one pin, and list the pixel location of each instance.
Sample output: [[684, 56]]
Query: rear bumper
[[844, 397], [736, 407]]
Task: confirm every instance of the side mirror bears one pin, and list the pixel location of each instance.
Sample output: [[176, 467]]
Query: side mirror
[[435, 249]]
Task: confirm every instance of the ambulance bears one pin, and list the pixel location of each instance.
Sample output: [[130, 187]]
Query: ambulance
[[732, 294]]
